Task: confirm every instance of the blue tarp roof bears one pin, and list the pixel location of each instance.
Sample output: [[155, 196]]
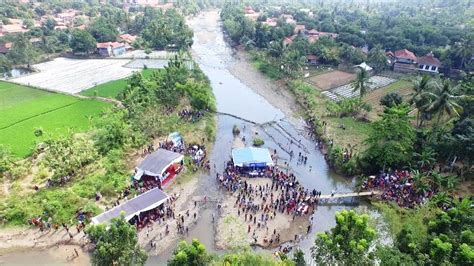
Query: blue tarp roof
[[252, 157]]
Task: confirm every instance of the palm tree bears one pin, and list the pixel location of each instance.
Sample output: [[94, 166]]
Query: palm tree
[[444, 99], [418, 98], [361, 83], [276, 49], [426, 158], [464, 51]]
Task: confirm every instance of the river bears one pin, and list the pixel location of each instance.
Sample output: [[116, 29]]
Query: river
[[215, 58], [285, 133]]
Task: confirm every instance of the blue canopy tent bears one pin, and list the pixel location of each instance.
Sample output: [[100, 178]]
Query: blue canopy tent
[[252, 157]]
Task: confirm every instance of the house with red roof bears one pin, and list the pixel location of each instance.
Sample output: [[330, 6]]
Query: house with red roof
[[5, 47], [128, 38], [288, 40], [271, 22], [299, 28], [107, 49], [428, 63], [312, 59], [249, 10], [405, 61]]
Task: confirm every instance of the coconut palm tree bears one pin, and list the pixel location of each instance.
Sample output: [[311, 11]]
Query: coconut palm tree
[[418, 99], [464, 51], [426, 158], [444, 99], [361, 83]]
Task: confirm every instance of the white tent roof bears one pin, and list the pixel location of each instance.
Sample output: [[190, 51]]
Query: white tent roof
[[364, 66]]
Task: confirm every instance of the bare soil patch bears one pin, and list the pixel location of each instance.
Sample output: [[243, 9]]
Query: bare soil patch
[[331, 79]]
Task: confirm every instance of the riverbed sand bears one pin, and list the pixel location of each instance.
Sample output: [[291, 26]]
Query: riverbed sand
[[233, 229]]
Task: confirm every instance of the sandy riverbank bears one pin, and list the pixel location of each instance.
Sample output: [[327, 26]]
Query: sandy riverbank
[[185, 202], [273, 91], [235, 230]]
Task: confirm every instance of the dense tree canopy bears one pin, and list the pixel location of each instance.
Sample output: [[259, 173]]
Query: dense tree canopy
[[347, 243], [116, 244]]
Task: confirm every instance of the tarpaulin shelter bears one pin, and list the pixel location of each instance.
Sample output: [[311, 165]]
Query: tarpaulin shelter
[[141, 203], [252, 157], [176, 138], [159, 164]]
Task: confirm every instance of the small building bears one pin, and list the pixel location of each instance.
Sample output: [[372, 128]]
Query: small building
[[428, 63], [133, 208], [270, 22], [159, 167], [405, 61], [288, 40], [107, 49], [312, 59], [127, 38], [299, 28], [252, 157], [5, 47]]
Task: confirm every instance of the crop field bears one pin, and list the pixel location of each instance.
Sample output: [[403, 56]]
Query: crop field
[[24, 109], [112, 88], [332, 79], [75, 75]]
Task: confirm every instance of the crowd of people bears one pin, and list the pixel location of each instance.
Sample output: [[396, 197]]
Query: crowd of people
[[190, 115], [258, 204], [397, 186]]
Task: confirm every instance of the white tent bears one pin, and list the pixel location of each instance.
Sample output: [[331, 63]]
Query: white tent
[[364, 66]]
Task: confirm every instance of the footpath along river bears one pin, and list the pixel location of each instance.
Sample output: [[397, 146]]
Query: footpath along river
[[283, 131]]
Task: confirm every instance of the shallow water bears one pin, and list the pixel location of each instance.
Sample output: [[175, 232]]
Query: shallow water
[[283, 135]]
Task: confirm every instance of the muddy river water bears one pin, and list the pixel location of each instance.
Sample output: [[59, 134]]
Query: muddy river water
[[280, 132]]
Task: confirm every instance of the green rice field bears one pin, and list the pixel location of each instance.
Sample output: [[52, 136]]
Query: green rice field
[[24, 109], [112, 88]]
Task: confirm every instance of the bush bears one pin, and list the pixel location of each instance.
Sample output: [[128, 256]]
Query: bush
[[258, 142], [391, 99], [235, 130]]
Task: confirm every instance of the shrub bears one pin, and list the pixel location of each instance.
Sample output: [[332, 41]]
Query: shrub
[[235, 130], [258, 142], [391, 99]]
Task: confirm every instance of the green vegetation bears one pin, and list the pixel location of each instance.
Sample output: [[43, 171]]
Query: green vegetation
[[26, 109], [116, 244], [155, 29], [70, 169], [112, 88], [258, 142], [347, 243], [195, 254]]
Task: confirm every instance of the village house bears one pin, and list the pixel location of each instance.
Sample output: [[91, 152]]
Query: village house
[[14, 26], [127, 38], [288, 40], [107, 49], [312, 59], [271, 22], [5, 47], [314, 35], [299, 28], [428, 63], [66, 18], [405, 61], [250, 13]]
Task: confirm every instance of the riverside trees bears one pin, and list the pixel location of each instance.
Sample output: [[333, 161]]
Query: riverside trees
[[116, 244]]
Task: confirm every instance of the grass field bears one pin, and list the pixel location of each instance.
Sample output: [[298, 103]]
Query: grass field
[[24, 109], [112, 88], [402, 87]]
